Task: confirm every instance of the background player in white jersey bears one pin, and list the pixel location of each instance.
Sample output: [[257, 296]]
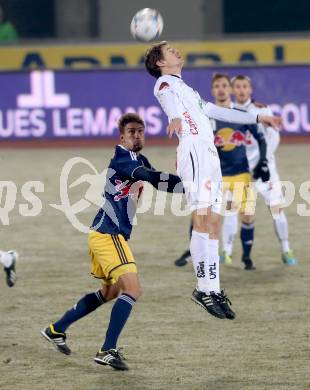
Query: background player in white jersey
[[198, 166], [271, 190], [231, 140], [8, 260]]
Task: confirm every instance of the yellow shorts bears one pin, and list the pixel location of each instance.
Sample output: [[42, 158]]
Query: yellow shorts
[[110, 256], [242, 194]]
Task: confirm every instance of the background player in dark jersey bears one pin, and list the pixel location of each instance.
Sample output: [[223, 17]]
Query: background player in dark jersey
[[111, 258], [230, 140]]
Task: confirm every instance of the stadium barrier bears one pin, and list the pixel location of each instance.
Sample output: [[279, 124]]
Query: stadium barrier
[[82, 106], [196, 53]]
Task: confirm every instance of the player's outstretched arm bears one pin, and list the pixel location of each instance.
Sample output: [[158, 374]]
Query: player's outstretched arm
[[236, 116], [160, 180], [228, 114], [267, 120]]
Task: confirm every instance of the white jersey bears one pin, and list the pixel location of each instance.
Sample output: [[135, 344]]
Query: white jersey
[[178, 100], [198, 164], [272, 190], [272, 135]]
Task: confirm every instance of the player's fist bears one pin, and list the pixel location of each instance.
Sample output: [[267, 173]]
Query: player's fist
[[174, 126], [261, 171], [273, 121]]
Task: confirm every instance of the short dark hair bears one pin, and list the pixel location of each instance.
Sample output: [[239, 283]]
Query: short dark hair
[[217, 76], [153, 55], [129, 118], [241, 77]]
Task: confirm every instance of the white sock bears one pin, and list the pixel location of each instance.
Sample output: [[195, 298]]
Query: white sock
[[281, 228], [199, 247], [229, 231], [6, 259], [214, 267]]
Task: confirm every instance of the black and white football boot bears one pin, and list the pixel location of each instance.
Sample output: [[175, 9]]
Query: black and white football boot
[[225, 304], [209, 302], [57, 339], [111, 357]]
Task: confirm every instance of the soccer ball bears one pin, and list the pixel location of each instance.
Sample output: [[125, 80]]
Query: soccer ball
[[146, 25]]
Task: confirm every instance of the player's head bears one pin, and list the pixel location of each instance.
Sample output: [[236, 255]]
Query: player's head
[[220, 87], [163, 59], [241, 88], [131, 129]]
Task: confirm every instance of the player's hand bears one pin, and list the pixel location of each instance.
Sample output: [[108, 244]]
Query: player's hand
[[273, 121], [261, 171], [174, 126]]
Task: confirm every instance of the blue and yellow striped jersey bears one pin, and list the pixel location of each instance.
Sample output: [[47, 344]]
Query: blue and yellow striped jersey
[[121, 193], [231, 140]]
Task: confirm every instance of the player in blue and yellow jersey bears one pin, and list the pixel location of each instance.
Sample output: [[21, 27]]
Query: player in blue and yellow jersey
[[111, 258], [231, 141]]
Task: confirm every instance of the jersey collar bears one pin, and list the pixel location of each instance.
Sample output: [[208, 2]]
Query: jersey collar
[[244, 105], [176, 75], [123, 147]]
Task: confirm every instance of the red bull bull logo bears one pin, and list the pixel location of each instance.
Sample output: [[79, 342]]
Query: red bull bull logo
[[128, 189], [228, 138]]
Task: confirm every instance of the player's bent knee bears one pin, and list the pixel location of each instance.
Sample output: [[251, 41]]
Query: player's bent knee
[[200, 223], [214, 231], [113, 295], [213, 225], [134, 292], [275, 211], [247, 218], [110, 292], [129, 284]]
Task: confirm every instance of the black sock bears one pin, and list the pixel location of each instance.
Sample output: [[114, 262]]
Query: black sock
[[119, 316], [84, 306], [247, 238]]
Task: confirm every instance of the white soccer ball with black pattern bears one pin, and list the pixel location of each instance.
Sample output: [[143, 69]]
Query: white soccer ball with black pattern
[[147, 25]]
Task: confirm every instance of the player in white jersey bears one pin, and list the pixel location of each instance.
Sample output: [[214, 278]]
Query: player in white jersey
[[8, 260], [198, 166], [271, 190], [231, 140]]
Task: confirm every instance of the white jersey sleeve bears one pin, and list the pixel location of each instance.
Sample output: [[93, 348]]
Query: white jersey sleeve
[[228, 114], [166, 94], [259, 110], [179, 100], [272, 135]]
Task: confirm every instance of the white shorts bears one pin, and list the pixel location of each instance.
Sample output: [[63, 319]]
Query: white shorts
[[199, 168], [271, 190]]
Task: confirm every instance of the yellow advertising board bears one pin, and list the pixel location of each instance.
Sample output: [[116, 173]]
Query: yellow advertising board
[[195, 54]]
